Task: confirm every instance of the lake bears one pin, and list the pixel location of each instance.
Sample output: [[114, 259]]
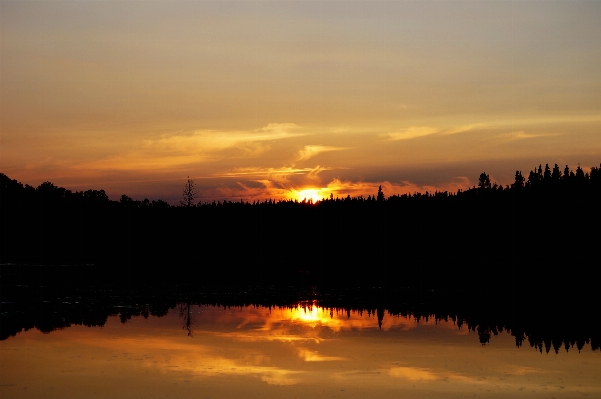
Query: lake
[[299, 351]]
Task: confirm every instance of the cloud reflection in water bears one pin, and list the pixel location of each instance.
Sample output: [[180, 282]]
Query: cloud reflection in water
[[286, 352]]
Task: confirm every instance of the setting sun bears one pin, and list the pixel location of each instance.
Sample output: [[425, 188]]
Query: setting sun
[[312, 195]]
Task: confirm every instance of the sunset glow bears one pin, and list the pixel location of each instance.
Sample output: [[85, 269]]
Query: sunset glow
[[311, 315], [308, 195], [257, 100]]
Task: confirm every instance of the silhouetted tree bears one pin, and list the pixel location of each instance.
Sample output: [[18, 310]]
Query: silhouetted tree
[[49, 191], [126, 201], [98, 195], [547, 174], [484, 181], [533, 178], [519, 180], [188, 194], [595, 173], [160, 204], [380, 194], [566, 172], [579, 173], [556, 175]]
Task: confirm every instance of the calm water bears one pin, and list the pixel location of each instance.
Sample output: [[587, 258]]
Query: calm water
[[210, 352]]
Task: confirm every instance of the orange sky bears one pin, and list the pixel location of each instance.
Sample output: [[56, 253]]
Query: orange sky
[[257, 99]]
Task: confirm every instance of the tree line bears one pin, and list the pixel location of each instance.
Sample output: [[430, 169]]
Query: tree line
[[523, 237], [547, 181]]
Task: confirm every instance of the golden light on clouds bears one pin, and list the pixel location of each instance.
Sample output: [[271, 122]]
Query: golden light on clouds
[[411, 132], [137, 96], [309, 151], [280, 174], [522, 135], [179, 149]]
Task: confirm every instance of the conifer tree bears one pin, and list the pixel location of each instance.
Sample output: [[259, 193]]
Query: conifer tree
[[484, 181], [380, 194], [188, 194]]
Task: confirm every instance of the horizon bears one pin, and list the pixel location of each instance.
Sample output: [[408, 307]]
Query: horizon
[[268, 99], [537, 177]]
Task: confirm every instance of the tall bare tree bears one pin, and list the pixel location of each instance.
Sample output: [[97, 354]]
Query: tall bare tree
[[188, 194]]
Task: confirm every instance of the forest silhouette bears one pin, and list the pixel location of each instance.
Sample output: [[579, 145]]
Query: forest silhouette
[[487, 234], [523, 257]]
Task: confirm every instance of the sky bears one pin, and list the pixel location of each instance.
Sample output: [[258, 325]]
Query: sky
[[284, 99]]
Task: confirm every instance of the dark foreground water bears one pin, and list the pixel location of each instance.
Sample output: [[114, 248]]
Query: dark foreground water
[[301, 351]]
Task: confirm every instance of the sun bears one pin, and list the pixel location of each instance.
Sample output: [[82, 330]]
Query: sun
[[308, 194]]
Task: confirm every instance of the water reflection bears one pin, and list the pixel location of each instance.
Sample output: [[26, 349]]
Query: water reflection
[[299, 351]]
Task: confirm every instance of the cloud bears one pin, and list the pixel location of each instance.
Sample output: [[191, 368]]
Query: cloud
[[411, 132], [276, 173], [315, 171], [202, 141], [354, 189], [309, 151], [278, 184], [414, 132], [279, 175], [522, 135], [200, 146], [466, 128], [278, 128], [252, 149], [275, 183]]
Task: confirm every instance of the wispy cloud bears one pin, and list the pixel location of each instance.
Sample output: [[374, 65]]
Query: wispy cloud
[[414, 132], [411, 132], [275, 173], [466, 128], [345, 188], [315, 171], [211, 140], [522, 135], [309, 151], [187, 148], [279, 183]]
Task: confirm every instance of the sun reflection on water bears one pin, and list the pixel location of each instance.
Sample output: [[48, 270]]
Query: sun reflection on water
[[312, 315]]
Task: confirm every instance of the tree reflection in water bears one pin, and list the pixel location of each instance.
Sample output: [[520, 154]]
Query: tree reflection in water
[[47, 308], [184, 312]]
